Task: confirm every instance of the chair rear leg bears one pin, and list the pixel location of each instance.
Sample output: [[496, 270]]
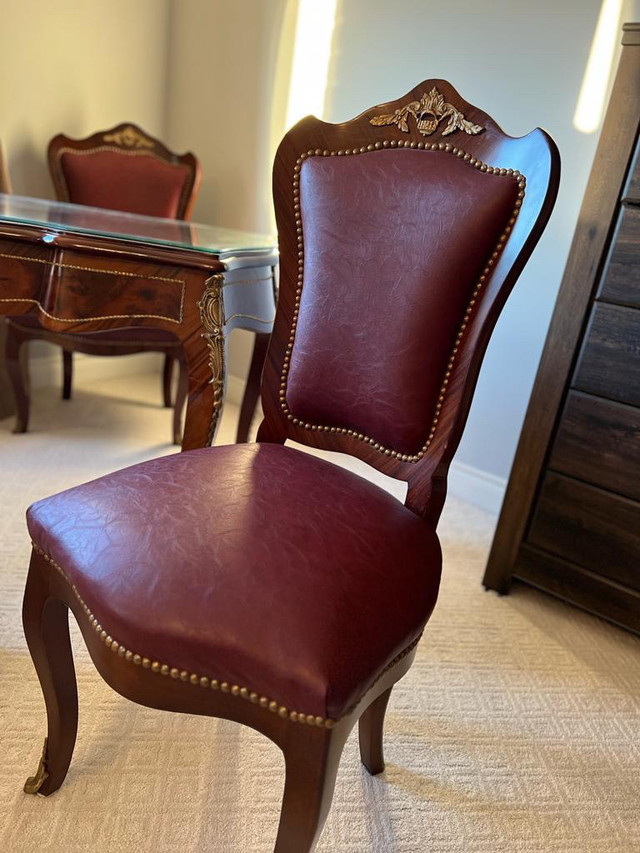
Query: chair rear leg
[[181, 397], [46, 627], [167, 376], [16, 373], [370, 731], [67, 374], [252, 388], [312, 757]]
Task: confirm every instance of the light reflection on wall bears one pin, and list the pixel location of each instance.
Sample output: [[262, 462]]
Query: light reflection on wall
[[311, 55], [591, 101]]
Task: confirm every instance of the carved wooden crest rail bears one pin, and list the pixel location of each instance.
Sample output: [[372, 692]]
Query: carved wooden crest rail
[[129, 137], [428, 112]]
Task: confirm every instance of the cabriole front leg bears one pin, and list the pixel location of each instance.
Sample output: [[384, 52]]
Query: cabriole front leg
[[46, 627]]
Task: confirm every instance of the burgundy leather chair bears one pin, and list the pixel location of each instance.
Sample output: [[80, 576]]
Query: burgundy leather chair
[[269, 586], [121, 169]]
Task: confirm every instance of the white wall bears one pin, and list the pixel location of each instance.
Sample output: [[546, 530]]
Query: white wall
[[523, 63], [221, 101], [76, 66], [222, 67]]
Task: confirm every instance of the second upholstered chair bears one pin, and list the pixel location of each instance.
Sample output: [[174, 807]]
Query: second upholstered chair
[[256, 582], [121, 169]]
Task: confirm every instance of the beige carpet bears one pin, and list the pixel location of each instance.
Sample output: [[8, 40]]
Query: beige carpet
[[518, 729]]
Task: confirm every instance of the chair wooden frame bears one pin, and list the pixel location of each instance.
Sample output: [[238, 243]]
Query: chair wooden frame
[[312, 746]]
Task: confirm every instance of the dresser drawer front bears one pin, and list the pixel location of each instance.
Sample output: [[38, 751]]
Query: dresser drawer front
[[95, 294], [579, 586], [621, 279], [598, 441], [609, 363], [23, 277], [589, 527]]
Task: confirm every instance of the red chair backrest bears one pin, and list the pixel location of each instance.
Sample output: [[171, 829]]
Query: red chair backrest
[[401, 234], [124, 169]]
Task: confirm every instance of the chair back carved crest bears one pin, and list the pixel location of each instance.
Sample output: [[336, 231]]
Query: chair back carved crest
[[401, 233], [147, 174]]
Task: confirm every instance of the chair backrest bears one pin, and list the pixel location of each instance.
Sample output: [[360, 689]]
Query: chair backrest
[[124, 169], [5, 183], [401, 234]]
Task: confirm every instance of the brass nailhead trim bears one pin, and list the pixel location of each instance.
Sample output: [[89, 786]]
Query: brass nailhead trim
[[191, 677], [390, 665], [364, 149]]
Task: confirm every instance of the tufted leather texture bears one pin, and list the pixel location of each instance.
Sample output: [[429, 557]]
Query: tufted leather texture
[[394, 243], [135, 183], [255, 564]]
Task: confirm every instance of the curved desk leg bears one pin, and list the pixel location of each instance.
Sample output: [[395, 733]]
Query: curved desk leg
[[16, 372], [205, 358], [252, 388]]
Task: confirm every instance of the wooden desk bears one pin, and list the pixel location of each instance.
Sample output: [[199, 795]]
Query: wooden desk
[[84, 270]]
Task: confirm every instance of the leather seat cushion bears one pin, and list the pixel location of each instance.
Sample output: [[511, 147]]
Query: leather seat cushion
[[259, 565], [140, 334]]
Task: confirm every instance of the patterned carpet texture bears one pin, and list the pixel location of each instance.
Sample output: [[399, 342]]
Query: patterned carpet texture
[[517, 730]]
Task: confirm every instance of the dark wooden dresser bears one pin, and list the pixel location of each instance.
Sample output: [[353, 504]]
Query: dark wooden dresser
[[570, 522]]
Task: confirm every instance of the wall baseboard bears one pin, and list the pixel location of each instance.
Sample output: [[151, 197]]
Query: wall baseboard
[[476, 486]]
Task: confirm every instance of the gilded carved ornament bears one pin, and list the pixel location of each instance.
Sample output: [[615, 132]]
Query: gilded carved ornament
[[34, 783], [129, 137], [212, 319], [428, 112]]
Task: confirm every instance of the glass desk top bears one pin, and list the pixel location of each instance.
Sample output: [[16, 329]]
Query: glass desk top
[[79, 218]]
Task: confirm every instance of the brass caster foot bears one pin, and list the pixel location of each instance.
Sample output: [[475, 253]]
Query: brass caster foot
[[34, 783]]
